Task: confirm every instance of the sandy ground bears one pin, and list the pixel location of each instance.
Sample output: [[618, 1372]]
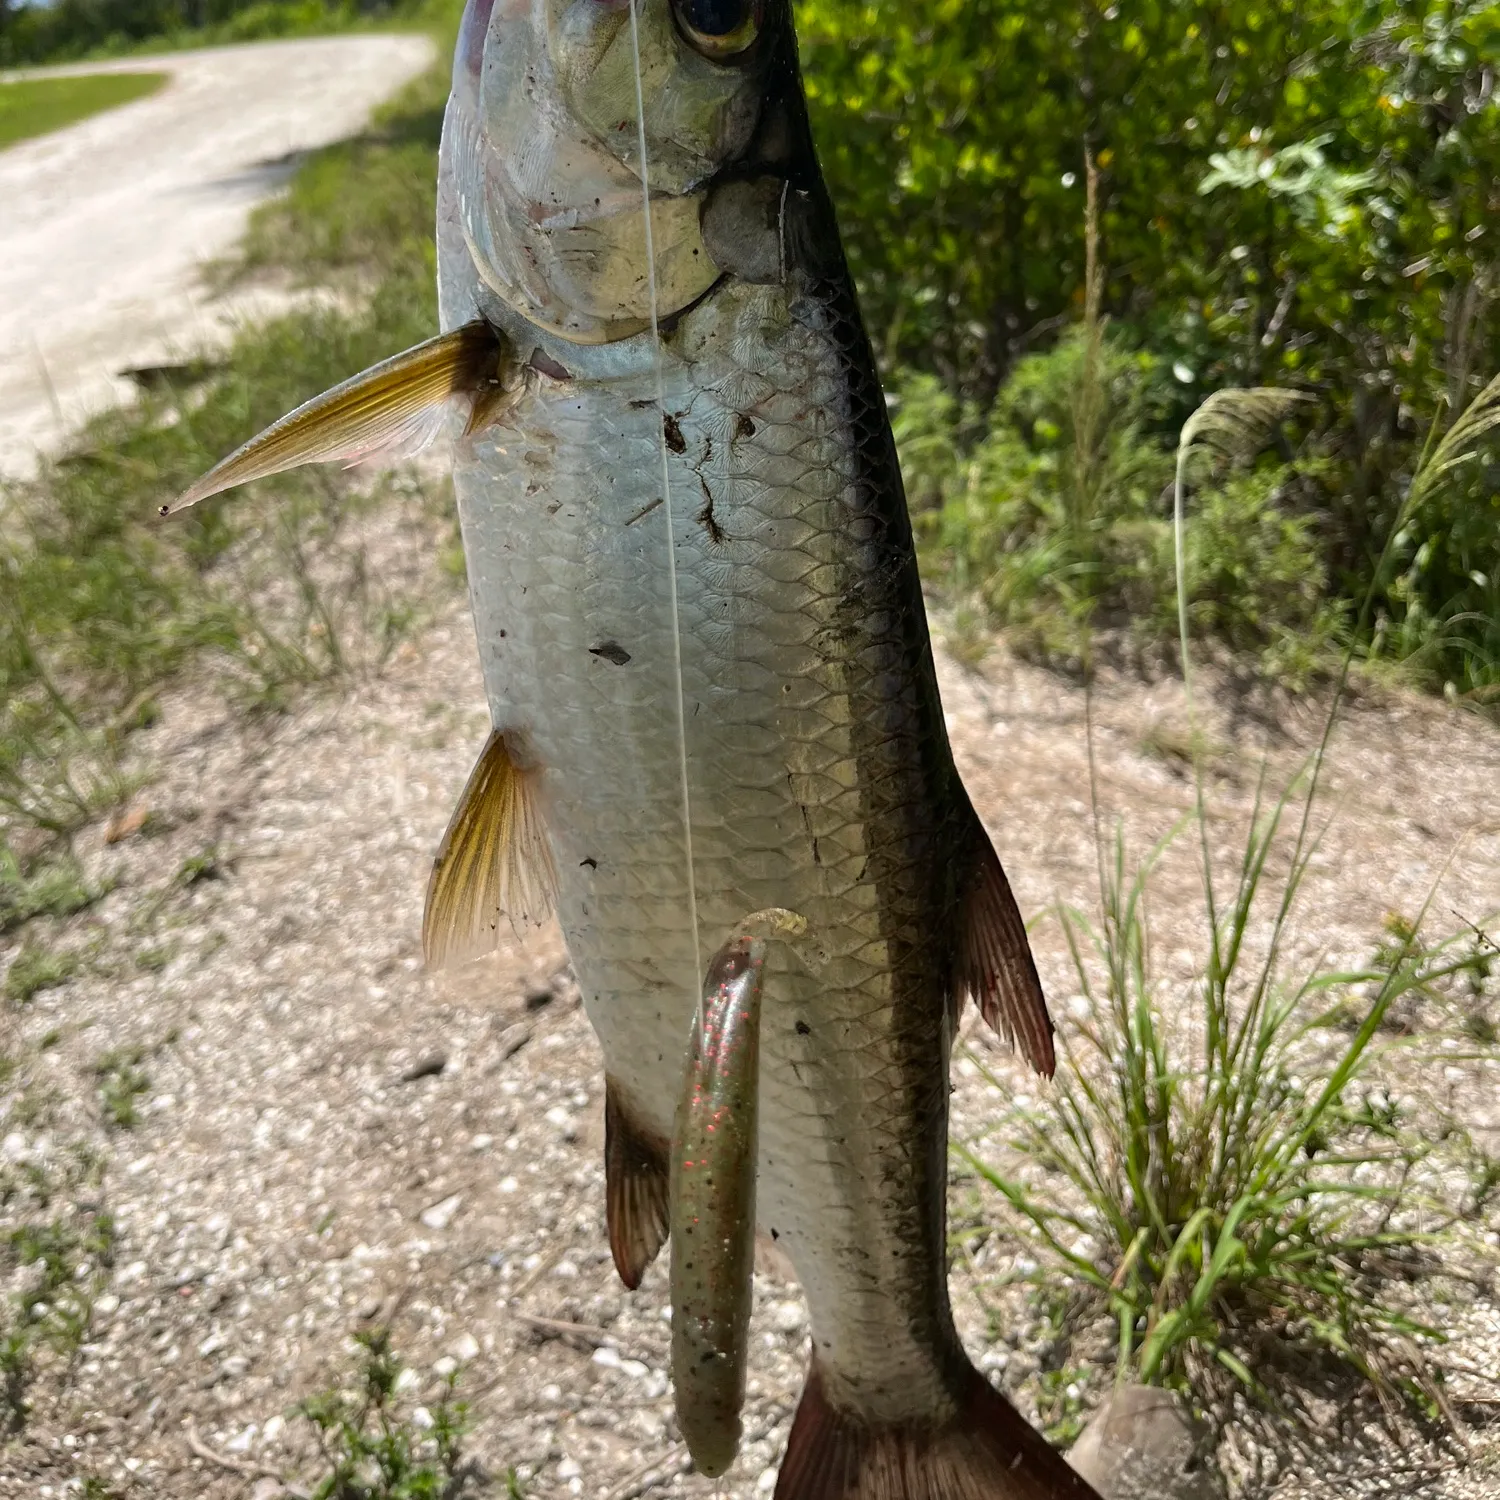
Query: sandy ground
[[332, 1138], [105, 224]]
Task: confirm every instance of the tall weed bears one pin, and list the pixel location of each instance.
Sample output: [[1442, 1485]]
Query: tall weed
[[1237, 1188]]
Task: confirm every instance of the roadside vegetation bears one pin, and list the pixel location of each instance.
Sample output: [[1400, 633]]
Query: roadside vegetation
[[71, 29], [104, 604], [1244, 1182], [1296, 195], [36, 106]]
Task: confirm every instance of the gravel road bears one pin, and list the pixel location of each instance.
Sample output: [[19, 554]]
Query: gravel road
[[106, 223]]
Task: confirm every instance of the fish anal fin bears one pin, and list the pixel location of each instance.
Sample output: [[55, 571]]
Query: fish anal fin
[[994, 962], [391, 410], [495, 861], [636, 1188], [985, 1451]]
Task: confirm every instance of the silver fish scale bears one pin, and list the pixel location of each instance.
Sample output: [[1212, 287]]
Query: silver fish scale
[[787, 683]]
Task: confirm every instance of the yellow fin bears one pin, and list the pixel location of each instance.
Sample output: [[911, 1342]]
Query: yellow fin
[[494, 860], [394, 407]]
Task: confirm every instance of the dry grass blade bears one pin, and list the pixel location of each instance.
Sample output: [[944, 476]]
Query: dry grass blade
[[1233, 424], [1230, 425], [1460, 443]]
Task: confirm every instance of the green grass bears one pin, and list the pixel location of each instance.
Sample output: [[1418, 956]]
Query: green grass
[[35, 969], [63, 1231], [372, 1449], [120, 1081], [34, 106], [51, 887]]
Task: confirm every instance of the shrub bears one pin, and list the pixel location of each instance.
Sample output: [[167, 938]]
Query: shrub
[[1289, 194], [1057, 515]]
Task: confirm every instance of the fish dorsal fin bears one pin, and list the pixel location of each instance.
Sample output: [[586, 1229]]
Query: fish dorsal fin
[[393, 409], [995, 966], [495, 860], [635, 1188]]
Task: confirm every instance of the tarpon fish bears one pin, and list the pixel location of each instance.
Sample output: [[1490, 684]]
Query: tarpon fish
[[712, 691]]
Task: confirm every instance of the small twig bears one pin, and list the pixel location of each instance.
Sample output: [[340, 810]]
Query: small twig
[[239, 1466], [544, 1265], [658, 1471], [586, 1334]]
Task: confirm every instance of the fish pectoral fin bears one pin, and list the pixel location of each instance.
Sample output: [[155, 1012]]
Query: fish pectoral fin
[[391, 410], [495, 860], [995, 965], [635, 1188]]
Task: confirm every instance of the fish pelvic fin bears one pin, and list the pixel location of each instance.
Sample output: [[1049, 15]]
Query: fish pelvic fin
[[994, 964], [636, 1189], [392, 410], [495, 860], [987, 1451]]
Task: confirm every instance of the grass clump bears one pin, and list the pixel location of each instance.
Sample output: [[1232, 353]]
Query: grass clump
[[374, 1448], [120, 1081], [35, 969], [55, 1253], [35, 106], [1238, 1191], [52, 888]]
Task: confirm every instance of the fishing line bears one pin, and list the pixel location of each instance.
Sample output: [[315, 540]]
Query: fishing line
[[666, 494]]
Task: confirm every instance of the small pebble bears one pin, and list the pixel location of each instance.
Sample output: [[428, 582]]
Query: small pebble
[[440, 1215]]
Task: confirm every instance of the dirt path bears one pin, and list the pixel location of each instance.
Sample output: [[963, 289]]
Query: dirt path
[[106, 223], [330, 1138]]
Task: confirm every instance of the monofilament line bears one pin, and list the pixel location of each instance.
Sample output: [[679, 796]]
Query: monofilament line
[[666, 493]]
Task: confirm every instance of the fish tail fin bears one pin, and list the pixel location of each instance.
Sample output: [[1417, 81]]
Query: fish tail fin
[[986, 1451]]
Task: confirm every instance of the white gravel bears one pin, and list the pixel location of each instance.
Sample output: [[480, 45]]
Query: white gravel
[[104, 225]]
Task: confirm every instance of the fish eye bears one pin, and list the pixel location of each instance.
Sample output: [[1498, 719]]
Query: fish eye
[[719, 29]]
